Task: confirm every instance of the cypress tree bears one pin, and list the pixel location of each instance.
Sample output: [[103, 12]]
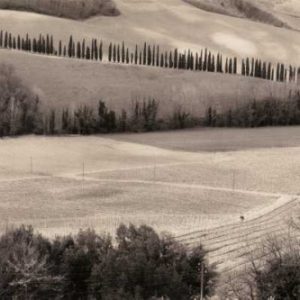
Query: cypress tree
[[114, 53], [131, 58], [197, 62], [201, 61], [205, 60], [235, 65], [92, 49], [96, 55], [230, 69], [34, 46], [88, 53], [140, 58], [272, 74], [47, 44], [213, 67], [157, 56], [101, 51], [9, 41], [209, 62], [110, 52], [14, 44], [70, 47], [269, 76], [264, 70], [247, 66], [118, 54], [83, 49], [145, 54], [127, 56], [65, 51], [6, 40], [51, 45], [1, 38], [153, 55], [149, 56], [123, 53], [171, 60], [19, 43], [252, 67], [243, 71], [162, 60], [176, 58], [226, 66], [136, 55], [78, 52], [60, 48], [166, 59]]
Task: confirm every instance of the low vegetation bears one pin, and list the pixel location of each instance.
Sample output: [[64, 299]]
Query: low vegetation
[[239, 8], [139, 265], [78, 9], [272, 271]]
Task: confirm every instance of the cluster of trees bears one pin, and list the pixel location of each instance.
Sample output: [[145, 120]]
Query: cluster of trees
[[76, 9], [151, 55], [19, 106], [272, 271], [140, 264], [268, 112]]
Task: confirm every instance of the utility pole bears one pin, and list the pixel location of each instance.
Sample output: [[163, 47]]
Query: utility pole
[[31, 165], [201, 279], [83, 174]]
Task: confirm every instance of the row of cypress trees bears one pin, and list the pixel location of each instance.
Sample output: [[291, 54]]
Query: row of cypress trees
[[151, 55]]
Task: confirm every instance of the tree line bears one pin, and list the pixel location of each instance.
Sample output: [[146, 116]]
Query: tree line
[[150, 55], [137, 264], [21, 113]]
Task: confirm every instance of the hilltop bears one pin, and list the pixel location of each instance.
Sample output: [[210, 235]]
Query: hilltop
[[167, 23]]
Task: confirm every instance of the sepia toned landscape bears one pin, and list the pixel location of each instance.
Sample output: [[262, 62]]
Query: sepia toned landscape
[[149, 149]]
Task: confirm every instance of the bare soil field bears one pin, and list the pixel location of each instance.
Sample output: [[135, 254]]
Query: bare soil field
[[68, 83], [157, 22], [196, 185]]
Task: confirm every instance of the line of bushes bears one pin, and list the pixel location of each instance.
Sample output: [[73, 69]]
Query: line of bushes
[[151, 55], [139, 264]]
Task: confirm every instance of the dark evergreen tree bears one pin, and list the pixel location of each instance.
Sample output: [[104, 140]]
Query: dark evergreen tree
[[136, 55], [127, 56], [78, 52], [114, 53], [101, 51], [83, 50], [145, 54], [235, 65], [88, 53], [157, 56], [118, 54], [110, 52], [70, 47], [59, 48], [149, 56], [1, 38]]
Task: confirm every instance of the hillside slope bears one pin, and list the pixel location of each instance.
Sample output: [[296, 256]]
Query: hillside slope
[[171, 23], [62, 82]]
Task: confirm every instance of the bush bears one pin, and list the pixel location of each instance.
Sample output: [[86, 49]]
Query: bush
[[140, 265]]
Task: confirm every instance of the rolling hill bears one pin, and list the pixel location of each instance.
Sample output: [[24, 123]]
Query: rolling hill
[[169, 24], [68, 83]]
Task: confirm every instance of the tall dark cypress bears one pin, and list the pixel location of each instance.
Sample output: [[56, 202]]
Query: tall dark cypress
[[243, 71], [114, 53], [149, 56], [78, 52], [127, 56], [153, 55], [60, 48], [176, 58], [83, 50], [88, 53], [162, 60], [118, 53], [136, 55], [96, 50], [205, 60], [70, 47], [123, 52], [171, 60], [201, 61], [235, 65], [247, 66], [19, 42], [101, 51], [145, 54], [6, 40], [166, 59], [110, 52], [226, 66], [157, 56], [140, 58]]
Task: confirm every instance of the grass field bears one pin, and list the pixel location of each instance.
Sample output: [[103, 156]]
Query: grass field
[[157, 22], [62, 83]]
